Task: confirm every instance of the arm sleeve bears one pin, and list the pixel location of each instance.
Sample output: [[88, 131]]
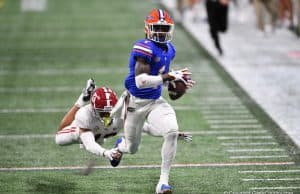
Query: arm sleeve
[[148, 81], [88, 140]]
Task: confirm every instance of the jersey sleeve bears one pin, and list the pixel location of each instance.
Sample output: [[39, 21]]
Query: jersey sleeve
[[142, 49]]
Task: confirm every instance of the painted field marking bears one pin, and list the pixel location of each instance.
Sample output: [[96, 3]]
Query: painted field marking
[[277, 179], [34, 110], [268, 171], [150, 166], [42, 89], [225, 117], [207, 132], [273, 188], [243, 137], [225, 112], [252, 157], [256, 150], [104, 70], [248, 144], [237, 126], [232, 121], [59, 110]]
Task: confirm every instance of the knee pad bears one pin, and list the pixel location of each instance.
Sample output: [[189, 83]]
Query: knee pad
[[172, 134]]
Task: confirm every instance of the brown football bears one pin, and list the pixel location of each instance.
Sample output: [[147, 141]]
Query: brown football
[[176, 89]]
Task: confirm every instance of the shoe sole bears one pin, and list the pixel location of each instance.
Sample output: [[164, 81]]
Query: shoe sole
[[165, 192]]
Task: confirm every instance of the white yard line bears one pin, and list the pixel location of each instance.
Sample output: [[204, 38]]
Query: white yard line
[[42, 89], [232, 121], [277, 179], [256, 157], [269, 171], [76, 71], [34, 110], [249, 144], [150, 166], [237, 126], [199, 132], [273, 188], [255, 150], [243, 137]]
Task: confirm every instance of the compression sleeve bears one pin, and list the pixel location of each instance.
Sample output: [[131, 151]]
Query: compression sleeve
[[148, 81]]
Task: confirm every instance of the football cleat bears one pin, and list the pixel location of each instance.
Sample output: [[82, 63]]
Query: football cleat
[[163, 189], [87, 91], [116, 161]]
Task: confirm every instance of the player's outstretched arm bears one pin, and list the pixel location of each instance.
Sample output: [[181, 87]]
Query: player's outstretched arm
[[88, 140]]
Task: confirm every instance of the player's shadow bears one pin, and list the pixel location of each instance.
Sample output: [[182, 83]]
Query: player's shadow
[[48, 185]]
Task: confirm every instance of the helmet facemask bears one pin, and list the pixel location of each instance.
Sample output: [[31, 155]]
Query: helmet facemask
[[159, 32], [102, 101], [104, 115]]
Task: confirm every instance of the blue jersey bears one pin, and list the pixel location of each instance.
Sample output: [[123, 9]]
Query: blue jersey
[[158, 56]]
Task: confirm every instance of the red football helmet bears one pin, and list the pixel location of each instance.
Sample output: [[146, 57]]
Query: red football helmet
[[103, 100], [159, 26]]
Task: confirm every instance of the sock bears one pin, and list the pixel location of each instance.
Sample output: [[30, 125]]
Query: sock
[[80, 103], [168, 153]]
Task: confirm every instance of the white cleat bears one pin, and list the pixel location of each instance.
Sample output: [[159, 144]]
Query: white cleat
[[163, 189], [87, 91]]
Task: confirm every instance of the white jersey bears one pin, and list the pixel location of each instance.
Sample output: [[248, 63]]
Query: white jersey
[[86, 118]]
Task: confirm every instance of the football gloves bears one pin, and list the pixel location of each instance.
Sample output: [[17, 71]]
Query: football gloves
[[111, 154], [185, 137], [182, 75]]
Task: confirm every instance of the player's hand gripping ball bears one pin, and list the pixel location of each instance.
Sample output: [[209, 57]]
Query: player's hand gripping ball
[[177, 88]]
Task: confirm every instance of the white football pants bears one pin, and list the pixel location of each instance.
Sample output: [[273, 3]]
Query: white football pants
[[67, 136], [162, 121]]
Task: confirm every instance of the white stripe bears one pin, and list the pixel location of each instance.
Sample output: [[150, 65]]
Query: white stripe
[[230, 121], [225, 126], [161, 14], [224, 117], [277, 179], [255, 150], [249, 157], [244, 137], [273, 188], [151, 166], [269, 171], [248, 144], [34, 110], [143, 48], [76, 71], [119, 134]]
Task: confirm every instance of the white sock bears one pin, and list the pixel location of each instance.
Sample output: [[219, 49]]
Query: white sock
[[80, 103], [168, 153]]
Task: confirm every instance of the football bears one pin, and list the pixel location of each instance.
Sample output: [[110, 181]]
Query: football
[[176, 89]]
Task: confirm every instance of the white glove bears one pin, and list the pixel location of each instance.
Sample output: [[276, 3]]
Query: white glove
[[180, 74], [111, 154], [185, 137]]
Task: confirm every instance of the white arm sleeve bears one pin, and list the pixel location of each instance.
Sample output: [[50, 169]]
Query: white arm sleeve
[[148, 81], [88, 140]]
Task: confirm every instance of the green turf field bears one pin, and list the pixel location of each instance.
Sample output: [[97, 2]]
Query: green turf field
[[45, 59]]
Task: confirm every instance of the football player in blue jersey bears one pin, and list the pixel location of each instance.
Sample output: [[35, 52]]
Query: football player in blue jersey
[[149, 66]]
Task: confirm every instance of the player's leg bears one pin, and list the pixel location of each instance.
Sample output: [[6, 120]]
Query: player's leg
[[82, 99], [133, 130], [68, 135], [163, 119]]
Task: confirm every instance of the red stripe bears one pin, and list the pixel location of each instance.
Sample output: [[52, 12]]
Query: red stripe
[[141, 51], [66, 131]]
